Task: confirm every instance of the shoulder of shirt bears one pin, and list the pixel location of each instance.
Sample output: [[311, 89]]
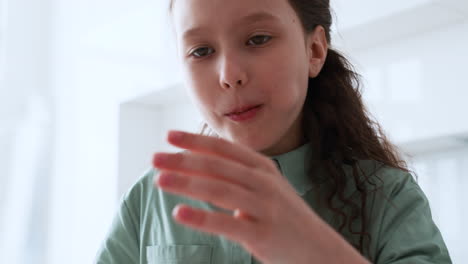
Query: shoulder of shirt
[[144, 185], [379, 176]]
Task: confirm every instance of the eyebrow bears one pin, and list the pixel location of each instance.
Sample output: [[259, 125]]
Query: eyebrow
[[248, 19]]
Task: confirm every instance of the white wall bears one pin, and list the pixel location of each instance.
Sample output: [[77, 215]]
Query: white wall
[[104, 52], [417, 86], [442, 176], [26, 123]]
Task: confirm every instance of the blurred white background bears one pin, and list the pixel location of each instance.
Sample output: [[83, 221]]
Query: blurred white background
[[88, 90]]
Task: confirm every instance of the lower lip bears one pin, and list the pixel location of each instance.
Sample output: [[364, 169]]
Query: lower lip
[[247, 115]]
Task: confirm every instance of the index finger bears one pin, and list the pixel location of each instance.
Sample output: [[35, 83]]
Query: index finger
[[220, 147]]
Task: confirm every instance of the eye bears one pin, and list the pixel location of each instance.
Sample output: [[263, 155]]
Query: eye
[[202, 52], [258, 40]]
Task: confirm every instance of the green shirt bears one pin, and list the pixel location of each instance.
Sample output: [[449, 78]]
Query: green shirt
[[401, 225]]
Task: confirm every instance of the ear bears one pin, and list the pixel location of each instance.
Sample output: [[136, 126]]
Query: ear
[[317, 47]]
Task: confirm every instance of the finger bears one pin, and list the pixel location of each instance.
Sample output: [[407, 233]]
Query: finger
[[198, 164], [218, 192], [215, 223], [239, 214], [220, 147]]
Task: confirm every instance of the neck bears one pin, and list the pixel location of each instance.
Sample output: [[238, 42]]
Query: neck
[[293, 139]]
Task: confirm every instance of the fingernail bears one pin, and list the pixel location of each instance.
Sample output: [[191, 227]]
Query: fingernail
[[175, 135], [184, 213], [159, 159]]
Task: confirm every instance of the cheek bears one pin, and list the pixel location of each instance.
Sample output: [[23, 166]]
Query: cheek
[[287, 87], [205, 99], [199, 88], [288, 83]]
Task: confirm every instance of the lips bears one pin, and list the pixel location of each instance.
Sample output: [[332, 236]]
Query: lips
[[239, 110]]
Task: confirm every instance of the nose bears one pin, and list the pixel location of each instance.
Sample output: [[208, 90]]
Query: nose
[[232, 73]]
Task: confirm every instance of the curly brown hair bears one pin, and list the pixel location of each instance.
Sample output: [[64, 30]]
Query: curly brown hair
[[337, 123]]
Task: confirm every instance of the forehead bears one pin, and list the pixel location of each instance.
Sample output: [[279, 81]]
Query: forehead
[[192, 16]]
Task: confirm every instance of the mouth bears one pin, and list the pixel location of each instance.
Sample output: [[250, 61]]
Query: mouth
[[240, 110], [244, 113]]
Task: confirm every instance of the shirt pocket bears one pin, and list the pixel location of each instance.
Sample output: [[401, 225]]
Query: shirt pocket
[[178, 254]]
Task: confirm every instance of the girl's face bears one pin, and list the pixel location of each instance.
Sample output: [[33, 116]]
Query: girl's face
[[247, 53]]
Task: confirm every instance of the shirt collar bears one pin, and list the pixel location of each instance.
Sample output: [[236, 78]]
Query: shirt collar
[[294, 166]]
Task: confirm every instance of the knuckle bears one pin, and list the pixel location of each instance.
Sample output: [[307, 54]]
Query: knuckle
[[179, 157], [272, 165], [209, 164], [220, 191]]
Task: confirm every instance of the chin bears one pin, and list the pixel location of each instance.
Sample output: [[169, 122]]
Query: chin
[[255, 141]]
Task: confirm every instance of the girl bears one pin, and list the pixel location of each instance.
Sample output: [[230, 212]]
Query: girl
[[292, 169]]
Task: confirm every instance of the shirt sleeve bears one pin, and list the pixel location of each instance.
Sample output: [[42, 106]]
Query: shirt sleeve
[[408, 232], [121, 243]]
